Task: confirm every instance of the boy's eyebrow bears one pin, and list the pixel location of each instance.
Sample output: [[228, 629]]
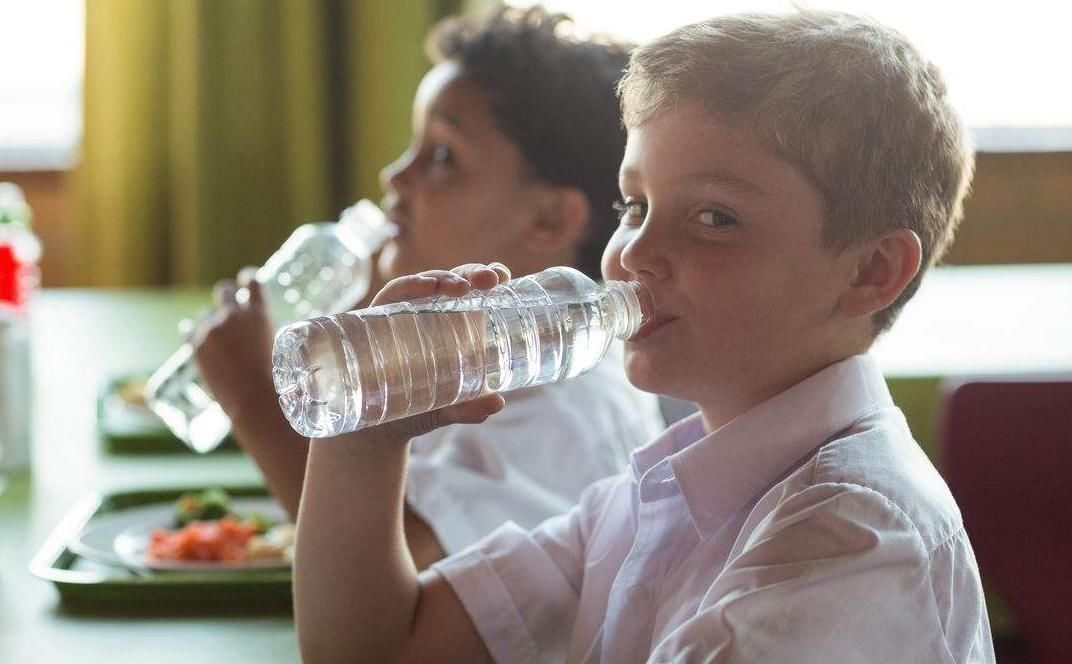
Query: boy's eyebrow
[[723, 179], [726, 180]]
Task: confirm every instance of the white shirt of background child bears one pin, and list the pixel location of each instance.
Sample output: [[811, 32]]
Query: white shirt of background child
[[531, 460]]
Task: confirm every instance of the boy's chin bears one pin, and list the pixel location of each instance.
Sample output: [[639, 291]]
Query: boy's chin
[[644, 375]]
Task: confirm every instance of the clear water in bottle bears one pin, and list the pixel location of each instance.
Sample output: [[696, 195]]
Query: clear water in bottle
[[341, 373], [321, 268]]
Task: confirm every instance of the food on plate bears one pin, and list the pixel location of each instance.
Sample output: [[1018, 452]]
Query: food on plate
[[276, 544], [132, 391], [202, 506], [222, 540], [207, 529]]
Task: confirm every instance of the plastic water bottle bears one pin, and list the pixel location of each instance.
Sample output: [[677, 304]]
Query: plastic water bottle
[[20, 252], [342, 373], [321, 268]]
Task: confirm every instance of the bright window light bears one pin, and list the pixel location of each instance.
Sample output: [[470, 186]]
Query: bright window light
[[1006, 63], [41, 55]]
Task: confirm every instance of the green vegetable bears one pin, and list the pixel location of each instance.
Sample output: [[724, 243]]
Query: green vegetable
[[212, 504], [258, 521], [204, 506]]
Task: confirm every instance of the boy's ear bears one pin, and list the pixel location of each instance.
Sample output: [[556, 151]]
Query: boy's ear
[[884, 268], [561, 221]]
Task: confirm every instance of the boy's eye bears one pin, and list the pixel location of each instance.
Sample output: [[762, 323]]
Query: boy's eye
[[717, 219], [631, 211], [441, 154]]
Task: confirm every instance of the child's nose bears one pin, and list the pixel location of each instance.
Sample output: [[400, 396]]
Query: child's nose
[[645, 254], [393, 176]]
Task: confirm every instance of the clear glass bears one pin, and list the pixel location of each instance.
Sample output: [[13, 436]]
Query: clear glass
[[321, 268], [341, 373]]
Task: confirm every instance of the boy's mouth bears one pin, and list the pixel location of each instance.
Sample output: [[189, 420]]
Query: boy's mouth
[[650, 327], [396, 213]]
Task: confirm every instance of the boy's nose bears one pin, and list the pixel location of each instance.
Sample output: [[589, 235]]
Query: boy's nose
[[646, 255]]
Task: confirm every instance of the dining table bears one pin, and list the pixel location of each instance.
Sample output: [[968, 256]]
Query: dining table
[[964, 321], [82, 339]]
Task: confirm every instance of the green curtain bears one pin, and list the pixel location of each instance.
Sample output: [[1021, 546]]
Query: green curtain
[[214, 127]]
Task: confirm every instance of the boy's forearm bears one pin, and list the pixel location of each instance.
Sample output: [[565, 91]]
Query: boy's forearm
[[279, 451], [355, 584]]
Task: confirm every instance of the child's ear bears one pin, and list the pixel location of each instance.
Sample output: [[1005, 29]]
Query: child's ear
[[561, 221], [884, 268]]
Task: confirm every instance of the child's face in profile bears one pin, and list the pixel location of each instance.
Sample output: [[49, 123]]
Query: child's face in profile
[[727, 237], [459, 193]]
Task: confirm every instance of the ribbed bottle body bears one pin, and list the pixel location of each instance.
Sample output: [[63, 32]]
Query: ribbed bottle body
[[341, 373]]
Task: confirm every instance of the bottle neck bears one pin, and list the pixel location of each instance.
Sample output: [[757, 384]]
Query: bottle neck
[[368, 225], [631, 306]]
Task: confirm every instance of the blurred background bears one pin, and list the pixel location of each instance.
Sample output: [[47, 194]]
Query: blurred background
[[169, 142]]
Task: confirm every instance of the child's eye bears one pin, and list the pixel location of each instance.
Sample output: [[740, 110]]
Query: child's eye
[[441, 154], [631, 211], [717, 219]]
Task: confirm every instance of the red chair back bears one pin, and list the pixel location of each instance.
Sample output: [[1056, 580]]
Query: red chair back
[[1005, 448]]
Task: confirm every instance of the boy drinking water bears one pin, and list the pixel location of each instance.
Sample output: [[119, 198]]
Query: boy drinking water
[[786, 182], [515, 144]]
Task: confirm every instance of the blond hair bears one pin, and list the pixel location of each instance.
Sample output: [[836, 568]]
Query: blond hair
[[847, 101]]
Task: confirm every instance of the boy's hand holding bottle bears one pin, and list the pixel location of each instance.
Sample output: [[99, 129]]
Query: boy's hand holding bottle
[[233, 345], [454, 283]]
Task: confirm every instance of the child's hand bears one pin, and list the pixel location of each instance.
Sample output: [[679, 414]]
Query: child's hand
[[233, 346], [455, 283]]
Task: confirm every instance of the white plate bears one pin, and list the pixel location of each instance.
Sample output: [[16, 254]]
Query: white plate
[[122, 537]]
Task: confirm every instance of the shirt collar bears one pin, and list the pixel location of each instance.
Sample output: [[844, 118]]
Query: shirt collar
[[717, 473]]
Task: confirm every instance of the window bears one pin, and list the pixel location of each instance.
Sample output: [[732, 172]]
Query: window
[[1005, 63], [41, 54]]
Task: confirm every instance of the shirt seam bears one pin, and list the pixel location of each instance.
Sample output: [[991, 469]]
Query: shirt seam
[[945, 637], [919, 539]]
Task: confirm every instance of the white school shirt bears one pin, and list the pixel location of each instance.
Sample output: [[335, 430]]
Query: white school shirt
[[532, 459], [809, 529]]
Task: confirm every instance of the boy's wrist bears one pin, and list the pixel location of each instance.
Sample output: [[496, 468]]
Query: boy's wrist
[[254, 402]]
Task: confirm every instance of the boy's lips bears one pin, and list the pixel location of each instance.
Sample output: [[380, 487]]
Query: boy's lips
[[395, 211], [650, 327]]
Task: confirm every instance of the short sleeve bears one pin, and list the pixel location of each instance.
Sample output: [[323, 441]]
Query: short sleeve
[[521, 589], [835, 573], [530, 461]]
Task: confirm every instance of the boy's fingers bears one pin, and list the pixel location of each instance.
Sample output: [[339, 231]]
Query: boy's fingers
[[187, 329], [425, 284], [475, 411], [453, 283], [469, 412], [483, 276], [194, 328], [247, 279], [501, 270], [223, 294]]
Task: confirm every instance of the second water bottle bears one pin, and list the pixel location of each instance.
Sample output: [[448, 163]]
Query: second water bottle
[[321, 268]]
